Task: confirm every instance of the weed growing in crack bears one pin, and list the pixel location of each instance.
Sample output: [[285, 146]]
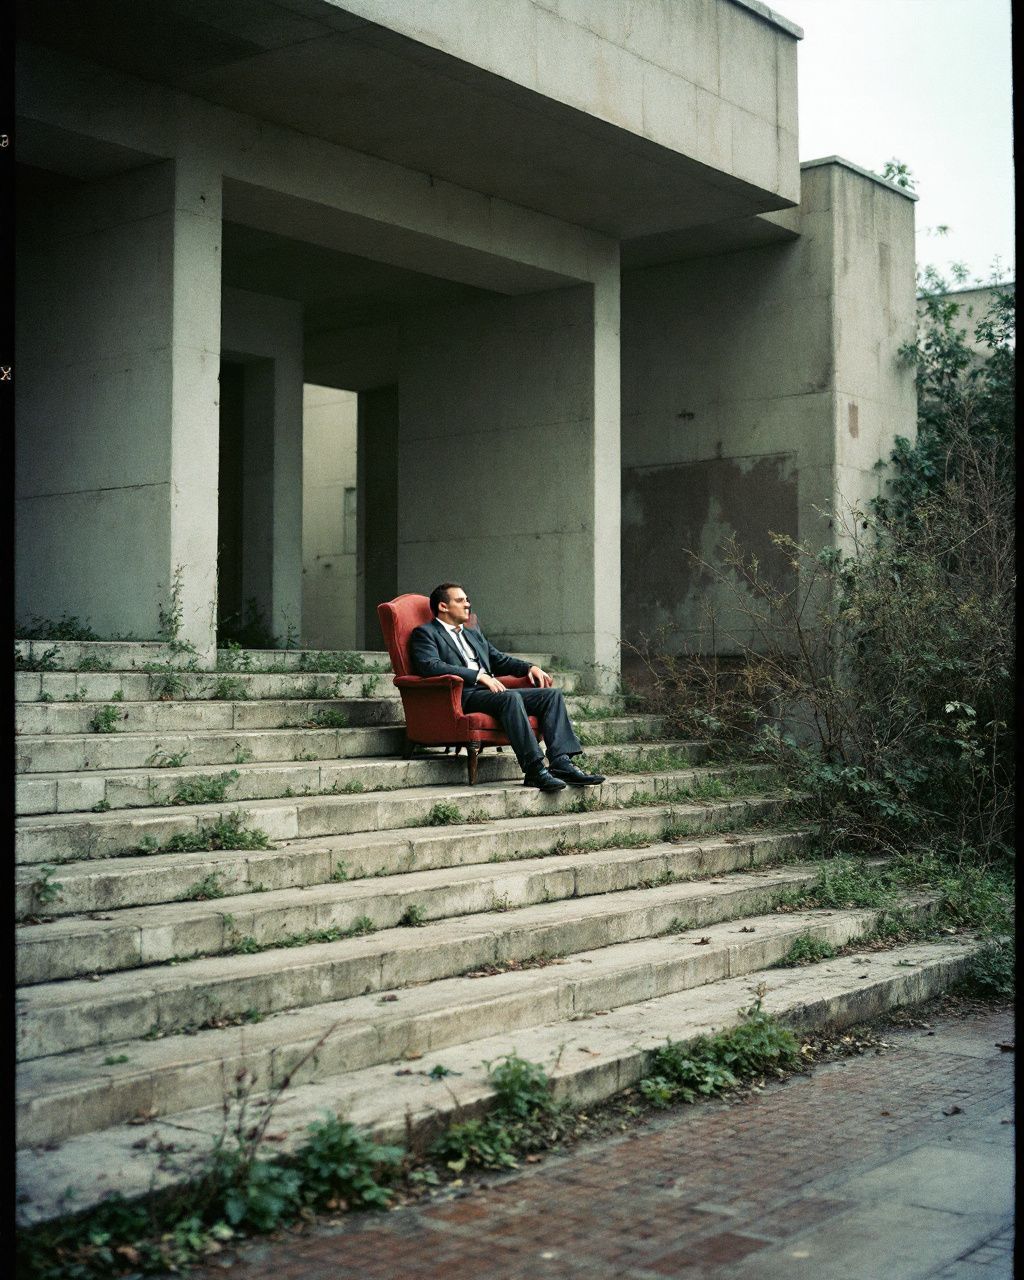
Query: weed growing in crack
[[205, 789], [443, 814], [805, 950], [106, 720], [211, 886], [226, 832]]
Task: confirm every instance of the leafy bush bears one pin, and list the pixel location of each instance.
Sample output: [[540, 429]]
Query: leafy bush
[[880, 677], [708, 1065]]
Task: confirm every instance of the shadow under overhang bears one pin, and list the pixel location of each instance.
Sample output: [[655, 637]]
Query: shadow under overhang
[[315, 69]]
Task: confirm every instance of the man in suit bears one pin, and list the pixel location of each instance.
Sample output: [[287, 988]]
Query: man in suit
[[446, 646]]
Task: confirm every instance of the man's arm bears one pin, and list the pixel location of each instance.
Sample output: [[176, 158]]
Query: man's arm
[[503, 664], [425, 656]]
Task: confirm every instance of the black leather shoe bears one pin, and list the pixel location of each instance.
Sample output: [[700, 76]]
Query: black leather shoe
[[539, 777], [565, 769]]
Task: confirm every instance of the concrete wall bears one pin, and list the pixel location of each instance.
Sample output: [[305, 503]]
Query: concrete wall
[[118, 354], [329, 516], [972, 306], [757, 387], [508, 467]]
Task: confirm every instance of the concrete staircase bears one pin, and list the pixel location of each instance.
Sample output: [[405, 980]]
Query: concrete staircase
[[376, 912]]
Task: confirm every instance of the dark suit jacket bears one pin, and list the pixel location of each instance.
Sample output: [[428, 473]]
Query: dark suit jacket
[[433, 653]]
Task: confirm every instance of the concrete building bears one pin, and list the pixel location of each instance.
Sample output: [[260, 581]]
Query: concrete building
[[562, 252], [972, 303]]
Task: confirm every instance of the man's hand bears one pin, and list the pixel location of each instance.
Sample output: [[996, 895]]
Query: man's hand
[[485, 681], [537, 676]]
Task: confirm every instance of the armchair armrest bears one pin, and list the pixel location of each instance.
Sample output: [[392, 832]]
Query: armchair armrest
[[425, 682]]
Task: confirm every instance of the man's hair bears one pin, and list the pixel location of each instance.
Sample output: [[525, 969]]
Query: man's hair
[[441, 593]]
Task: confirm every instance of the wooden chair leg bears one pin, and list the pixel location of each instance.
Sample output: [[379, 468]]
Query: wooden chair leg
[[408, 748], [472, 755]]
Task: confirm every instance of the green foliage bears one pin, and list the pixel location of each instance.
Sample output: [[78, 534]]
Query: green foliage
[[327, 718], [66, 627], [336, 661], [234, 658], [205, 789], [239, 1190], [247, 629], [91, 662], [106, 720], [166, 681], [522, 1103], [45, 661], [708, 1065], [443, 814], [338, 1163], [881, 677], [992, 971], [413, 916], [807, 949], [211, 886], [900, 174], [230, 689], [225, 832], [166, 759], [483, 1144], [46, 890], [521, 1088]]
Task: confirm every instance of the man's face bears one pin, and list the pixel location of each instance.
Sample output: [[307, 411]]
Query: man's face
[[456, 610]]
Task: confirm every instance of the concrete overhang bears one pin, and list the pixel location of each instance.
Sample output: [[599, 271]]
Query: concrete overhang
[[314, 67]]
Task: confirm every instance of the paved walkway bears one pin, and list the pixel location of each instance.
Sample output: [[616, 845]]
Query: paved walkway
[[891, 1166]]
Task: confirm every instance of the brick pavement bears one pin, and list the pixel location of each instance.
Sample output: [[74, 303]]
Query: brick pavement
[[853, 1173]]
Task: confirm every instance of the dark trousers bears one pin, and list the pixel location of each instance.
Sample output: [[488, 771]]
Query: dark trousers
[[512, 709]]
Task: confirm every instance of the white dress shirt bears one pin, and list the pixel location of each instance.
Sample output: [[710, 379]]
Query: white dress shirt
[[463, 646]]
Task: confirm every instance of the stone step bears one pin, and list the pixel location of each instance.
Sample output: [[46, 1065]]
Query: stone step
[[56, 839], [95, 1089], [61, 1016], [135, 937], [587, 1060], [192, 686], [108, 884], [64, 718], [77, 753], [129, 655], [56, 793]]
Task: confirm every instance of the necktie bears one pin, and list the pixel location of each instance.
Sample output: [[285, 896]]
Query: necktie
[[464, 646]]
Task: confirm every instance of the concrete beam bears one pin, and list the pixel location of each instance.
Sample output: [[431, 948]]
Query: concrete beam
[[398, 215]]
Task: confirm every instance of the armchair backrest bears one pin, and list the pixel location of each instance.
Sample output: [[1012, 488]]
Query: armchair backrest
[[398, 619]]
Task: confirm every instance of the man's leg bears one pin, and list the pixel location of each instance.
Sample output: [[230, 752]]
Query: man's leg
[[548, 705], [511, 714]]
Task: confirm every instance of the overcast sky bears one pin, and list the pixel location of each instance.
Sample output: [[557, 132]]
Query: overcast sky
[[929, 83]]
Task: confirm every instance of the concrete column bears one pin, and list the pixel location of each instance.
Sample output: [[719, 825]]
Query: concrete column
[[329, 518], [266, 334], [509, 467], [119, 290], [376, 510], [195, 396]]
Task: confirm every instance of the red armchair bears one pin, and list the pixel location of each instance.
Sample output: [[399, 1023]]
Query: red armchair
[[432, 704]]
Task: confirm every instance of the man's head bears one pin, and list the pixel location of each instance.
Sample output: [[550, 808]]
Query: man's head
[[450, 604]]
